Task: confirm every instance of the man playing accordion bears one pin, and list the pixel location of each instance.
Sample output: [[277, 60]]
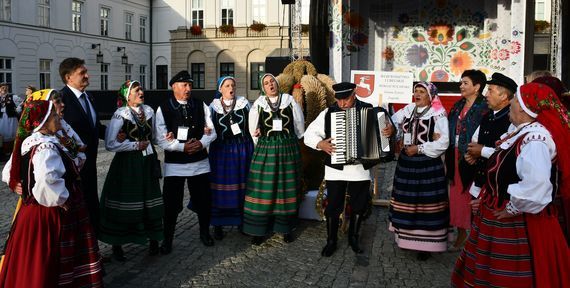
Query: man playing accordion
[[352, 178]]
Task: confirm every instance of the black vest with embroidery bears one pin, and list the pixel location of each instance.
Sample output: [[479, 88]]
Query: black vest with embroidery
[[265, 122], [191, 116], [8, 102], [490, 130], [502, 172], [223, 123], [334, 108], [421, 129]]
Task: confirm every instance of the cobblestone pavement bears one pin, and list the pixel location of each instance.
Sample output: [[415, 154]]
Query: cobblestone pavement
[[234, 262]]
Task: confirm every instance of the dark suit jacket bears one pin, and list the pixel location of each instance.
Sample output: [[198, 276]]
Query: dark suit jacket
[[76, 117]]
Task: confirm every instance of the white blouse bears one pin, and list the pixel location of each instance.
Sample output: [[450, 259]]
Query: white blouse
[[216, 104], [49, 189], [286, 100], [124, 114], [534, 192], [431, 149]]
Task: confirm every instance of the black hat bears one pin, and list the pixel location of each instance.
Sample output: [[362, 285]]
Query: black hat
[[182, 76], [504, 81], [343, 90]]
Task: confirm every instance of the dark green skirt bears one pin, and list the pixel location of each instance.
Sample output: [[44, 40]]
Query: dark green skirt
[[273, 187], [131, 202]]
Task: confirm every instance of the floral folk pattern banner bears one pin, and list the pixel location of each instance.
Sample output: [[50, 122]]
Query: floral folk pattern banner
[[440, 40]]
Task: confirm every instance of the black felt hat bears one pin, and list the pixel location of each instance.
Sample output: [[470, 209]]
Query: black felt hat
[[182, 76], [504, 81], [343, 90]]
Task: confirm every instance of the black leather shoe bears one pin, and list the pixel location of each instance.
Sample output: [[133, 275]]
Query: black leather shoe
[[218, 233], [288, 237], [207, 240], [423, 256], [118, 253], [353, 243], [329, 249], [153, 248], [257, 240], [166, 247]]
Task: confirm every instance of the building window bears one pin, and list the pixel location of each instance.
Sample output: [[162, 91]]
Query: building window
[[227, 69], [142, 76], [198, 75], [76, 10], [105, 14], [43, 13], [227, 12], [198, 13], [5, 10], [142, 29], [128, 26], [161, 76], [257, 69], [104, 76], [6, 71], [539, 10], [259, 11], [128, 71], [45, 73]]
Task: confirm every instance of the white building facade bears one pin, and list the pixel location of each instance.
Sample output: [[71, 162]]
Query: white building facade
[[36, 35]]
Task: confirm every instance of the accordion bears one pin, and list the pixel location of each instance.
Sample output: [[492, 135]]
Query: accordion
[[357, 135]]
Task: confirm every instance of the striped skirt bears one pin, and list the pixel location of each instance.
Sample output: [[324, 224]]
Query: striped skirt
[[131, 202], [229, 164], [273, 186], [497, 253], [49, 247], [419, 207]]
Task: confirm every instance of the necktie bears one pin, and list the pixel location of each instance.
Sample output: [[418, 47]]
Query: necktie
[[87, 108]]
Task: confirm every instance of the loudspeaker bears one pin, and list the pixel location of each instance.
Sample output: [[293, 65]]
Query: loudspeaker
[[275, 65], [286, 2]]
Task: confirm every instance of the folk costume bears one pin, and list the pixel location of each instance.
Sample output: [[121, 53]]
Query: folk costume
[[187, 121], [342, 179], [230, 158], [131, 202], [531, 166], [10, 108], [419, 206], [51, 241], [493, 125], [273, 187]]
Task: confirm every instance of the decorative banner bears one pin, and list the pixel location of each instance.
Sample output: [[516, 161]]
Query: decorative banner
[[383, 87]]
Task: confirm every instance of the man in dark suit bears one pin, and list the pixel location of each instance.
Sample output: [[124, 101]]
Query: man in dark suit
[[81, 115]]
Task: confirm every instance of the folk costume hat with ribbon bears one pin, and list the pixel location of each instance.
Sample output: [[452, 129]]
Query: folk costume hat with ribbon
[[125, 91], [541, 103], [436, 104], [343, 90], [35, 112], [182, 76]]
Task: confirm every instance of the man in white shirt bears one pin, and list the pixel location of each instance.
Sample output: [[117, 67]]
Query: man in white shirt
[[341, 179], [180, 124]]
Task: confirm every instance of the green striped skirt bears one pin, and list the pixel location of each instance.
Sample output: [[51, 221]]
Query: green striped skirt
[[131, 202], [273, 186]]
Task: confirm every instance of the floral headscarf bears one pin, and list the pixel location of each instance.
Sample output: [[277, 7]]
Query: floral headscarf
[[34, 116], [436, 104], [124, 92]]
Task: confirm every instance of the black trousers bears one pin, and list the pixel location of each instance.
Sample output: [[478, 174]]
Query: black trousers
[[173, 197], [359, 196], [89, 187]]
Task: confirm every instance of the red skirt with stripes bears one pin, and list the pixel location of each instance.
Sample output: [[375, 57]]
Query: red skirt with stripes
[[49, 247]]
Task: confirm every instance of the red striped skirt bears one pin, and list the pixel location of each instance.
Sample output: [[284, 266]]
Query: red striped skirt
[[497, 253], [51, 248]]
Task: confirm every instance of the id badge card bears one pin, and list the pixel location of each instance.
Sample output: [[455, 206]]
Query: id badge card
[[407, 138], [148, 150], [456, 140], [182, 134], [235, 129], [277, 125]]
